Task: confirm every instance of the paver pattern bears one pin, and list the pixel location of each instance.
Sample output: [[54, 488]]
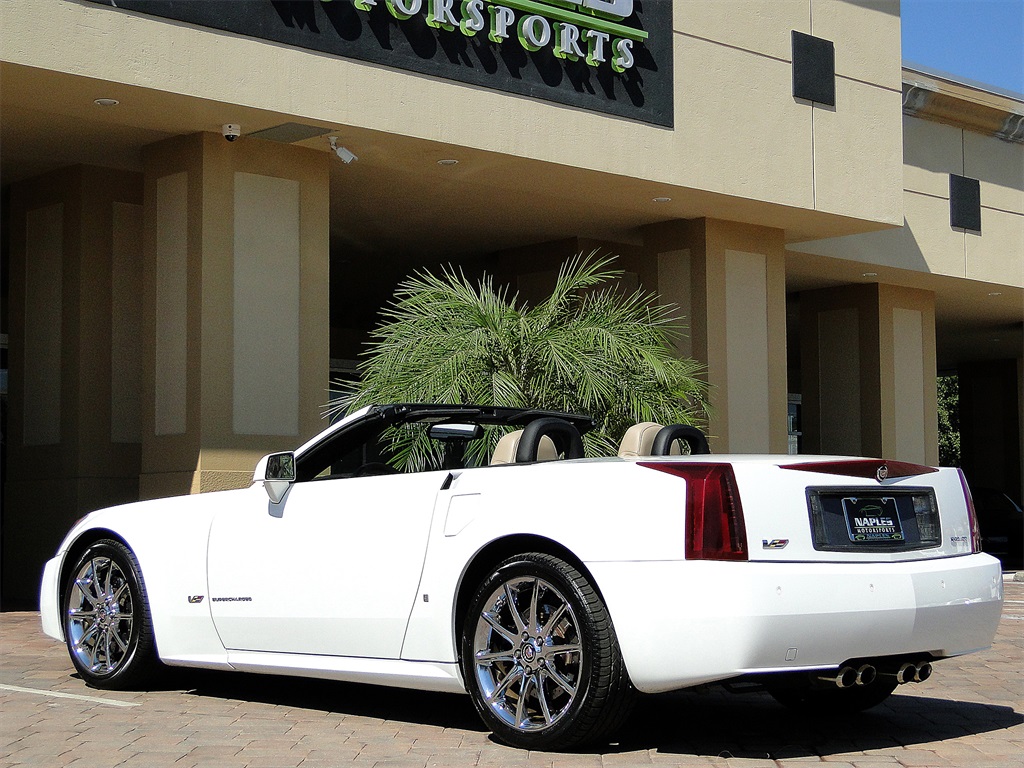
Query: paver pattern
[[971, 713]]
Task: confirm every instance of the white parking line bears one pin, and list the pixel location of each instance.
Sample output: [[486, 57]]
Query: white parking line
[[60, 695]]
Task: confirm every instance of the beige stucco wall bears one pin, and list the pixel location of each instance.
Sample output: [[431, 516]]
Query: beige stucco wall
[[69, 446], [213, 445], [868, 372], [926, 243], [738, 129], [731, 280]]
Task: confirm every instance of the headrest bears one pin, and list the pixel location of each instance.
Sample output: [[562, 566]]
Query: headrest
[[638, 440], [666, 443], [505, 450]]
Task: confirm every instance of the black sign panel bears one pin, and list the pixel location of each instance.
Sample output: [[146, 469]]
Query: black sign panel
[[584, 53]]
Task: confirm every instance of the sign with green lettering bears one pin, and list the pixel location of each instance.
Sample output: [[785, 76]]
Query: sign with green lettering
[[612, 56]]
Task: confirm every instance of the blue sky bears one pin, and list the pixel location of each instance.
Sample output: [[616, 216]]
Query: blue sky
[[980, 40]]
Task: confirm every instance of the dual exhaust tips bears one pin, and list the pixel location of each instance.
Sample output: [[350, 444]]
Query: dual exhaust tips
[[866, 674], [913, 673]]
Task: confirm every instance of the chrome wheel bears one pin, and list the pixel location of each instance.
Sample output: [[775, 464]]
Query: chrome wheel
[[540, 658], [100, 616], [527, 654], [107, 623]]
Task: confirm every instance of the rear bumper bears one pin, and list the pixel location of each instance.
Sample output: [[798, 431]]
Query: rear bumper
[[685, 623]]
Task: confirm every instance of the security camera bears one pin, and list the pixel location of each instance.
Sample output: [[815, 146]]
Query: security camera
[[344, 154], [231, 131]]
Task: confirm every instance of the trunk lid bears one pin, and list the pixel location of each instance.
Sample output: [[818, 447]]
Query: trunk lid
[[837, 509]]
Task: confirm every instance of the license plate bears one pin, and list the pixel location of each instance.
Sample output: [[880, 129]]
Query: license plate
[[873, 519]]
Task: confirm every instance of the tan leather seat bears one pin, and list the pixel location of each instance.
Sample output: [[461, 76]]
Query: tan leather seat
[[505, 450], [638, 440]]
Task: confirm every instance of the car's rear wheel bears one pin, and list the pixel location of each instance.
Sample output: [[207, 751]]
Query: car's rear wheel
[[540, 657], [813, 700], [107, 623]]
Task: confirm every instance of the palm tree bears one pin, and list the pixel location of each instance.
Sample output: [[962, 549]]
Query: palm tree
[[585, 349]]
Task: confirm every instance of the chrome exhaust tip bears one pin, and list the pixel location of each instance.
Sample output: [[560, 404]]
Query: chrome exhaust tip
[[906, 673], [846, 678], [866, 675], [911, 672]]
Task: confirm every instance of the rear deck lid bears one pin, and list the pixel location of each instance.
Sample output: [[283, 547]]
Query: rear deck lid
[[838, 509]]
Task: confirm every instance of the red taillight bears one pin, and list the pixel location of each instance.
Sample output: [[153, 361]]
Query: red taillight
[[714, 517], [972, 515]]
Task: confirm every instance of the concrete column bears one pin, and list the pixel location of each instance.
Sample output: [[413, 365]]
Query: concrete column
[[75, 361], [729, 281], [868, 372], [236, 308]]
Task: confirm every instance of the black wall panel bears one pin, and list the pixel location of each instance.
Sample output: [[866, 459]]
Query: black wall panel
[[814, 69], [964, 203]]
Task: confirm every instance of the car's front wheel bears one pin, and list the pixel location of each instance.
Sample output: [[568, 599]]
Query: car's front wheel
[[540, 657], [106, 618]]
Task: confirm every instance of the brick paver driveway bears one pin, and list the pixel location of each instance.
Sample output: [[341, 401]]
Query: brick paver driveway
[[971, 713]]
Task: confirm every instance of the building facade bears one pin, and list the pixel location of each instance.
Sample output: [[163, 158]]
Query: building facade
[[836, 229]]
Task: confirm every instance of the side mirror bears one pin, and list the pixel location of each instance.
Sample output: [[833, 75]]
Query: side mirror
[[278, 474]]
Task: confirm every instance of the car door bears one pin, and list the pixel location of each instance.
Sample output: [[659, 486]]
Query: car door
[[332, 569]]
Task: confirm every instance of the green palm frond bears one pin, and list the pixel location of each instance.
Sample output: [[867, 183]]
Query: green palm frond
[[587, 348]]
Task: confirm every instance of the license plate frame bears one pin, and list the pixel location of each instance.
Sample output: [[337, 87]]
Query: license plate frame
[[872, 519]]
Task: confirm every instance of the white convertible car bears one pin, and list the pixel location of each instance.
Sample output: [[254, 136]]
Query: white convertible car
[[552, 588]]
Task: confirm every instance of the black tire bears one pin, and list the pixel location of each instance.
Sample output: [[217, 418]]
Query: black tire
[[107, 624], [827, 702], [568, 665]]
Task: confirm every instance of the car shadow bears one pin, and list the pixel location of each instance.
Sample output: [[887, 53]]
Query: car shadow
[[711, 723], [442, 710], [754, 726]]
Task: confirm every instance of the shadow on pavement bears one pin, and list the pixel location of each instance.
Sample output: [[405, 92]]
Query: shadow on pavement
[[442, 710], [754, 726], [714, 724]]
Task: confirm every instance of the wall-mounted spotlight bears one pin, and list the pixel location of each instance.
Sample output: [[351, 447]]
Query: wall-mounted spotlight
[[346, 156]]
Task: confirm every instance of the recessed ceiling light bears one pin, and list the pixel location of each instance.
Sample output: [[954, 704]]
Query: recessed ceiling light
[[661, 199], [448, 161], [869, 274], [106, 102]]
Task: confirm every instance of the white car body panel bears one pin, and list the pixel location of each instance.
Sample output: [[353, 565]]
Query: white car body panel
[[358, 578], [49, 614], [169, 540], [762, 487], [487, 504], [690, 623], [336, 580], [424, 676]]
